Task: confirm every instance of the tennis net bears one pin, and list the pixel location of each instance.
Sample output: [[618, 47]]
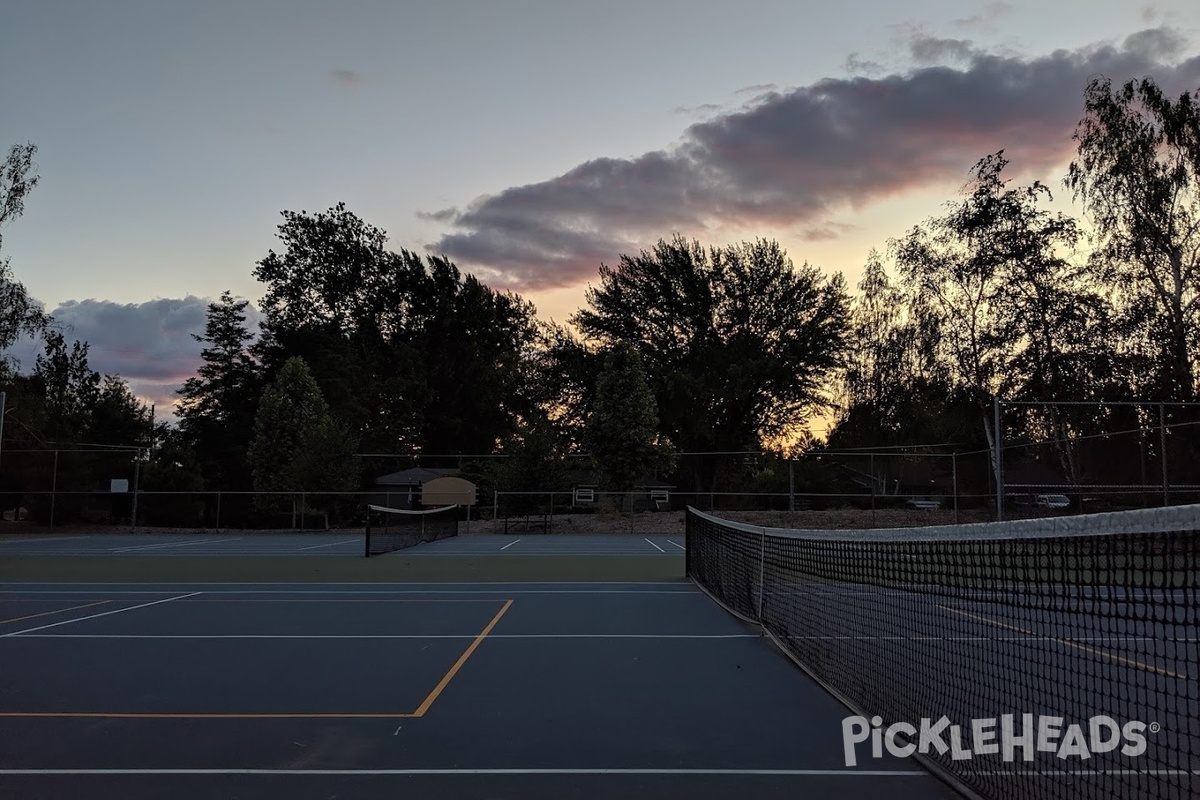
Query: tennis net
[[390, 529], [1070, 645]]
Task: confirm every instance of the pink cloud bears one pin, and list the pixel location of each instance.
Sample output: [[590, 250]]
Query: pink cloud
[[797, 157]]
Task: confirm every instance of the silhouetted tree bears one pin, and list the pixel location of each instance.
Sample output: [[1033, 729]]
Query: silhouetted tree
[[1138, 174], [622, 429], [217, 406], [738, 342]]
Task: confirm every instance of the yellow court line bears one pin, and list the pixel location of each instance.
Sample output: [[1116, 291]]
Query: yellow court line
[[59, 611], [437, 690], [1085, 648]]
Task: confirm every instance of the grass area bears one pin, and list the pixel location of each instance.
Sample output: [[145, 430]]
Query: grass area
[[393, 567]]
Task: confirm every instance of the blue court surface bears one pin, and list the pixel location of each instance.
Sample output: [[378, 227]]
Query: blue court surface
[[331, 544], [518, 690]]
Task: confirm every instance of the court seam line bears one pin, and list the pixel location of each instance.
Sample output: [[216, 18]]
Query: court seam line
[[173, 544], [66, 537], [445, 681], [94, 616], [330, 544], [394, 636], [1093, 650], [56, 611]]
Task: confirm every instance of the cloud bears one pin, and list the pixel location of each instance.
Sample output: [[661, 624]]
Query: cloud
[[858, 66], [702, 110], [347, 78], [984, 19], [794, 158], [757, 89], [149, 344], [444, 215], [826, 231], [931, 50]]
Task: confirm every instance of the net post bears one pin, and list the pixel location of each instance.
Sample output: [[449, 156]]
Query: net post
[[367, 535]]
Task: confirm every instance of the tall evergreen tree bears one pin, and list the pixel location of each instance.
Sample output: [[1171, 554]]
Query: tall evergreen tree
[[298, 446], [217, 406], [622, 430]]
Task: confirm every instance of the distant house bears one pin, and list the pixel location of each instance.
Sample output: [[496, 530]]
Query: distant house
[[403, 489]]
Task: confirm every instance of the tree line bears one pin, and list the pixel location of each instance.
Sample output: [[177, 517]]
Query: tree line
[[680, 348]]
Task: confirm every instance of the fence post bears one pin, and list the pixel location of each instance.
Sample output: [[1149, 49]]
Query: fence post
[[954, 482], [1162, 436], [53, 488], [791, 486], [872, 470], [137, 473], [218, 512], [998, 437]]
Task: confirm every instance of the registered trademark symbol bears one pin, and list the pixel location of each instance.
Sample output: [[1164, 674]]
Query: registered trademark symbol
[[1155, 727]]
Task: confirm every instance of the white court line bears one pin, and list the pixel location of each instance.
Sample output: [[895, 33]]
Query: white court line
[[984, 639], [101, 614], [656, 547], [172, 544], [843, 773], [502, 591], [394, 636], [66, 537], [331, 544], [349, 583], [846, 773], [677, 544], [510, 544]]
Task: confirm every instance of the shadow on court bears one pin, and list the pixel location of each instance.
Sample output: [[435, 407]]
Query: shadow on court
[[435, 690]]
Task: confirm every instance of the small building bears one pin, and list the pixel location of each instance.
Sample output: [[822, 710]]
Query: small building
[[403, 489]]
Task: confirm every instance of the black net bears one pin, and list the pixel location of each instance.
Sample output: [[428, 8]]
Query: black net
[[390, 529], [1091, 620]]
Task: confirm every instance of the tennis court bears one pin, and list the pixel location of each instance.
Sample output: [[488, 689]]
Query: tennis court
[[485, 666], [331, 544], [415, 690]]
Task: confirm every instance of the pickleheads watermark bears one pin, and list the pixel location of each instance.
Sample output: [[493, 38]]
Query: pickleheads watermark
[[1003, 737]]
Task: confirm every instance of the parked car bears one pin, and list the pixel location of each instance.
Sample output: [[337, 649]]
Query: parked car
[[923, 504], [1052, 501]]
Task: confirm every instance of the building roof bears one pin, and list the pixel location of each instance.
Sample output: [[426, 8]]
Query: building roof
[[412, 477]]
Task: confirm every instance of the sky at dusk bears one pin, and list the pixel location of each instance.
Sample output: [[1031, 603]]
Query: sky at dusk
[[530, 141]]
